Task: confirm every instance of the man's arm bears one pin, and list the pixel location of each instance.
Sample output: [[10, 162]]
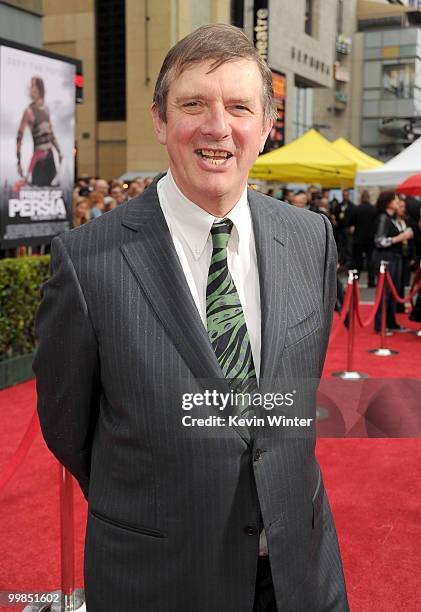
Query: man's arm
[[67, 367], [26, 120]]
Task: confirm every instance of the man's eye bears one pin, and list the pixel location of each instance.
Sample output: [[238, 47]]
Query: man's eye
[[241, 108], [191, 104]]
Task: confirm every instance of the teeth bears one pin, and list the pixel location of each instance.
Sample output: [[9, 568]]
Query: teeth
[[210, 153]]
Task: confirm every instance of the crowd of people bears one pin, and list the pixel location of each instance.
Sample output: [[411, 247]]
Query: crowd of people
[[365, 234], [93, 197]]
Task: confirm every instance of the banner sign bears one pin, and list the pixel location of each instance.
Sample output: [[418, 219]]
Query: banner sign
[[37, 120], [261, 28], [276, 136]]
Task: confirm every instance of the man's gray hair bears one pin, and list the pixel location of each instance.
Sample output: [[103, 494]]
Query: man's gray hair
[[219, 43]]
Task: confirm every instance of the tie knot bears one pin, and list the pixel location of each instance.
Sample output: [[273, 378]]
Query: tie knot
[[221, 231]]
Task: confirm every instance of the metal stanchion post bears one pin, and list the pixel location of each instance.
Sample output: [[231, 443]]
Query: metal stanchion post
[[71, 600], [383, 351], [67, 540], [350, 373]]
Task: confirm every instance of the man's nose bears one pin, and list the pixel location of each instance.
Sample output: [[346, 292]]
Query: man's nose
[[216, 124]]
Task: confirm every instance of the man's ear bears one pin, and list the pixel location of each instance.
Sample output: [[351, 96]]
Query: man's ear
[[159, 125], [265, 133]]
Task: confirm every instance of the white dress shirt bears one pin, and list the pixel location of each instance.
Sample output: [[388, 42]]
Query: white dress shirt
[[190, 227]]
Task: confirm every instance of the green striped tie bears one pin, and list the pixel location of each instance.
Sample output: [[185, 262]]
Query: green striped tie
[[226, 323]]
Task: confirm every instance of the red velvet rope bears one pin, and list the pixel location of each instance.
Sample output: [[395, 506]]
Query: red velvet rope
[[21, 451], [369, 320], [396, 297], [345, 307], [416, 280]]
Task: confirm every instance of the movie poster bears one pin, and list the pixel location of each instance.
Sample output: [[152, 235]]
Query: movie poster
[[37, 116]]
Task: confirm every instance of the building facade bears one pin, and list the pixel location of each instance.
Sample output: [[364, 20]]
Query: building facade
[[21, 21], [122, 44], [387, 77], [301, 45], [332, 60]]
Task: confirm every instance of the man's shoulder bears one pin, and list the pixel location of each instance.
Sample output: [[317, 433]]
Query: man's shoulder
[[283, 211], [108, 227], [96, 226]]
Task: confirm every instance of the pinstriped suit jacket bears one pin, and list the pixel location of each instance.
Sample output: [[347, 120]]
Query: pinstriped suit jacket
[[174, 511]]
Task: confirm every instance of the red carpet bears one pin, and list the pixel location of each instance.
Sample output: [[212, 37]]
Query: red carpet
[[373, 486], [405, 365]]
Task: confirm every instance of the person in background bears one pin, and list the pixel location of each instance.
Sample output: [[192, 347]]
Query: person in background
[[84, 192], [101, 185], [333, 204], [76, 192], [81, 212], [96, 202], [403, 221], [299, 200], [287, 195], [109, 203], [323, 207], [342, 214], [135, 188], [116, 192], [313, 196], [413, 212], [364, 219], [388, 240], [83, 181]]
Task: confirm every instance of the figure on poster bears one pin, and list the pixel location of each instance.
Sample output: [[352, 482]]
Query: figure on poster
[[36, 116]]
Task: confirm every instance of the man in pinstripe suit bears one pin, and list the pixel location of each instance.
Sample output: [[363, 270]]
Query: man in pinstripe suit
[[197, 284]]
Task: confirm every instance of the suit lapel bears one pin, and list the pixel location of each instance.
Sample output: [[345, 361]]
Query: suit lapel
[[151, 255], [272, 259], [153, 260]]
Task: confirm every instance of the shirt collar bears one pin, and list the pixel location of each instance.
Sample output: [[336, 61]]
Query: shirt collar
[[194, 223]]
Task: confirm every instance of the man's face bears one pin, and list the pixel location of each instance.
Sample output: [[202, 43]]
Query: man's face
[[102, 186], [300, 200], [213, 131], [346, 195], [117, 194]]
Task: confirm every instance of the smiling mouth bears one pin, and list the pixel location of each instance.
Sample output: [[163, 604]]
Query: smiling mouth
[[215, 157]]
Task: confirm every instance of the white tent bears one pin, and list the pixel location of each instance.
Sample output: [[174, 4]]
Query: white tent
[[396, 170]]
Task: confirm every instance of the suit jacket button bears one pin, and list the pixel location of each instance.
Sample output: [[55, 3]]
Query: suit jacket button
[[250, 530], [257, 454]]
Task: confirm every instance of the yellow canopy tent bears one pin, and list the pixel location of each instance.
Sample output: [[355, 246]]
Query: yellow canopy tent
[[308, 159], [363, 161]]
